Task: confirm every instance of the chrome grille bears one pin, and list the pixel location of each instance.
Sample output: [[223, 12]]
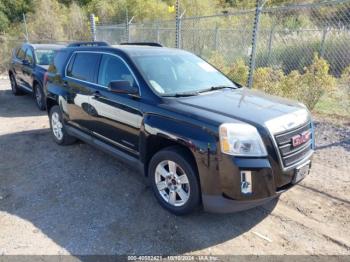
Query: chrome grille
[[290, 154]]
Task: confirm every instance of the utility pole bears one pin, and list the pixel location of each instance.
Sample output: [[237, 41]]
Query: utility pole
[[177, 37], [178, 24], [25, 28], [93, 27], [259, 6], [127, 26]]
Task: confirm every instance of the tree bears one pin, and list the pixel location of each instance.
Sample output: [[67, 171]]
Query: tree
[[12, 12], [47, 25]]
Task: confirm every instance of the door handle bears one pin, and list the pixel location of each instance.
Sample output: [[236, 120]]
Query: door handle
[[97, 94]]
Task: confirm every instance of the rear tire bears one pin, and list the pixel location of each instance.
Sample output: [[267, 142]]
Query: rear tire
[[39, 97], [58, 130], [14, 87], [174, 181]]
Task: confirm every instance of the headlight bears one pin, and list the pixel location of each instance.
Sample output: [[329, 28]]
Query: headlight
[[241, 140]]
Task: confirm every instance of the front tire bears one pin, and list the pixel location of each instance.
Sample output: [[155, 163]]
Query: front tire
[[58, 130], [39, 97], [174, 181]]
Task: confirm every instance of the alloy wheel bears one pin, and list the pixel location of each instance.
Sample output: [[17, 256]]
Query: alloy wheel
[[172, 183], [56, 126]]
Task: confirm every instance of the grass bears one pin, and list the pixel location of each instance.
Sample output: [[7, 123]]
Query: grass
[[336, 103]]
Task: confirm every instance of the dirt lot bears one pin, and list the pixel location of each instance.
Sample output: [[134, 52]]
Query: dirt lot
[[78, 200]]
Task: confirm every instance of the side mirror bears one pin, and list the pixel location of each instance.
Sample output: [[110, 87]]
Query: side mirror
[[122, 87], [25, 62]]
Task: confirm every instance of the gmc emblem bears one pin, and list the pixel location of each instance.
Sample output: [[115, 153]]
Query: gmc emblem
[[301, 138]]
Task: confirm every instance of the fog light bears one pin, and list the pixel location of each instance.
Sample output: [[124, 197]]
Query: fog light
[[246, 182]]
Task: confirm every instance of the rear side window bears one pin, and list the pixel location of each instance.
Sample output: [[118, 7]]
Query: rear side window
[[59, 61], [83, 66], [21, 54]]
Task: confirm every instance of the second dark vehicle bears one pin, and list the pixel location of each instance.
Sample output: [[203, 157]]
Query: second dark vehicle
[[28, 66], [200, 138]]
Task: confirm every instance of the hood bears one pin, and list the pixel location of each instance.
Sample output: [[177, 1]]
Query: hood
[[251, 106]]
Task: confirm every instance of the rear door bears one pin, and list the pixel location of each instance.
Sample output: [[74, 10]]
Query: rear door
[[27, 69], [80, 79], [18, 65]]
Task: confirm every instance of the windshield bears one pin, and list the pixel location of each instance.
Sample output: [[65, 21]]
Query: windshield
[[44, 57], [180, 73]]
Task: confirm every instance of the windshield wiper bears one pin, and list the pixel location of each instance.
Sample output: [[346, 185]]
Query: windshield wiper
[[196, 93], [182, 94], [213, 88]]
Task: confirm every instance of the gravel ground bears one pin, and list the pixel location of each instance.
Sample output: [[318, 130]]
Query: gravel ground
[[78, 200]]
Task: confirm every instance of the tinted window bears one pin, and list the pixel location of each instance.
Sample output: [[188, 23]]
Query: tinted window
[[30, 56], [21, 53], [44, 57], [84, 66], [113, 68], [59, 61]]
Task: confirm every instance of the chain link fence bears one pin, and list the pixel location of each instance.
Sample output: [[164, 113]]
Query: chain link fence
[[229, 35], [287, 36]]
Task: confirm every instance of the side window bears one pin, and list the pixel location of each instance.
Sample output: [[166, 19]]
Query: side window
[[112, 69], [84, 66], [30, 56], [21, 53], [59, 61], [70, 65]]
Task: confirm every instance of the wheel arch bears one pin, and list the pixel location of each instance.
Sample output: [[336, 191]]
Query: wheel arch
[[54, 96], [36, 82], [156, 143], [198, 142], [50, 102]]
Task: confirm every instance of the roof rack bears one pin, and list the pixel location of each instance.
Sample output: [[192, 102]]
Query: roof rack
[[87, 44], [142, 43]]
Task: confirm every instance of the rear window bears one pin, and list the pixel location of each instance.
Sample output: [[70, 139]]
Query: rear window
[[44, 57], [83, 66]]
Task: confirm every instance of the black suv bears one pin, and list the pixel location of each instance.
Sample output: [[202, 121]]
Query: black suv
[[199, 137], [27, 69]]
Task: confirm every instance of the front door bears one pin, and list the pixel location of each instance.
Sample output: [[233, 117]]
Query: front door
[[118, 118]]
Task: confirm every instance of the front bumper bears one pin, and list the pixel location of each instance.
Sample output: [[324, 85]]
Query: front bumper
[[221, 204], [268, 182], [224, 184]]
